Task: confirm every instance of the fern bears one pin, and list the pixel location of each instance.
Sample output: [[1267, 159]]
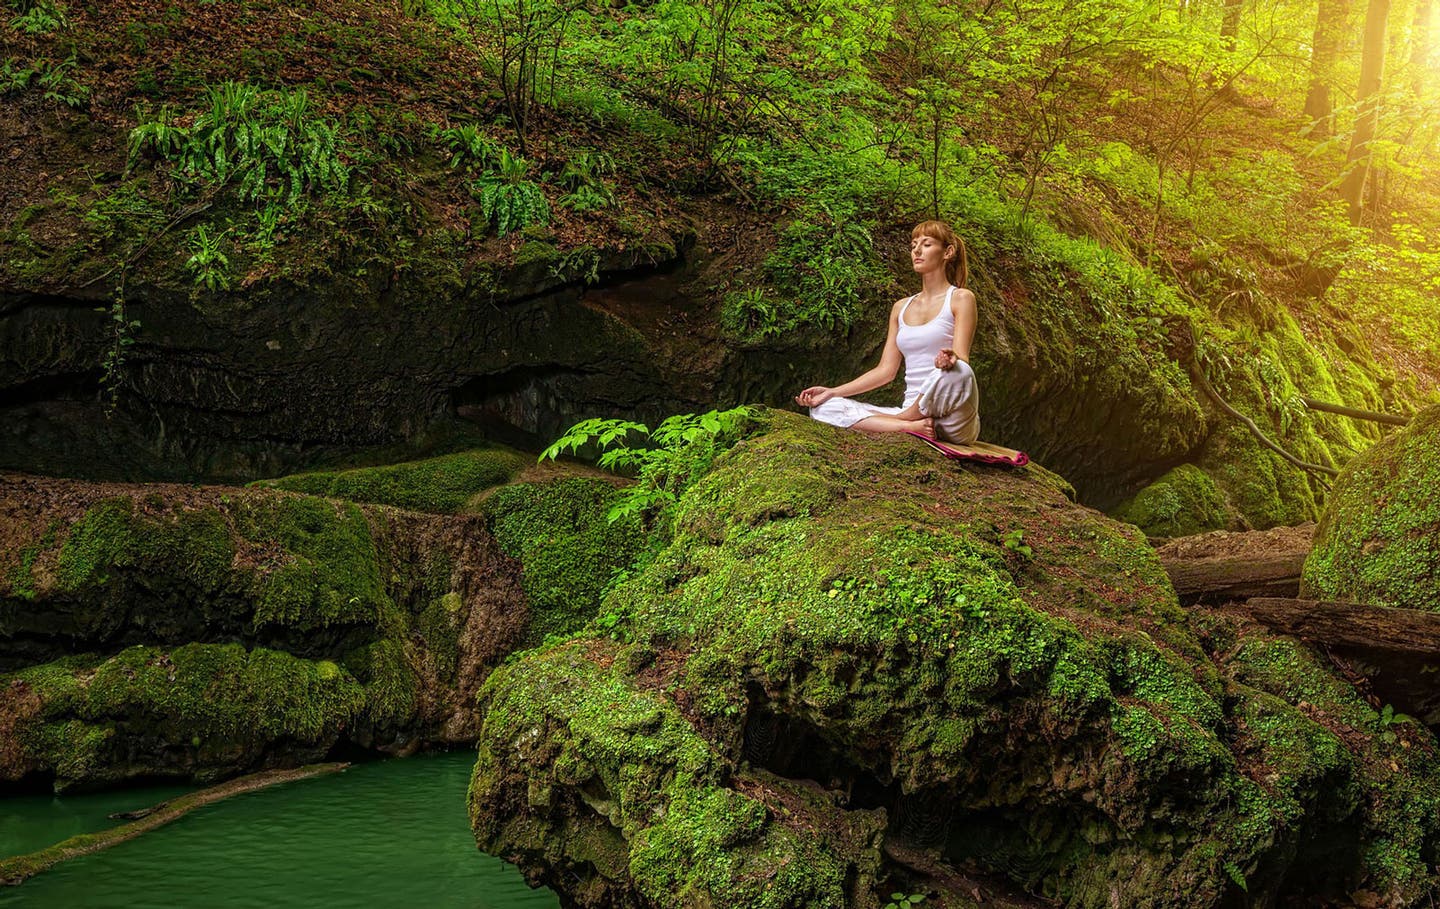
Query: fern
[[679, 451], [54, 80], [469, 148], [268, 143], [583, 176], [40, 17], [508, 201]]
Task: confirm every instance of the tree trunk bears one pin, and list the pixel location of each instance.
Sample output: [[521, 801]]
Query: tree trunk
[[1372, 70], [1230, 24], [1420, 46], [1374, 628], [1220, 566], [1330, 24]]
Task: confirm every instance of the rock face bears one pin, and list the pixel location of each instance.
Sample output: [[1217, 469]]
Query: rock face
[[204, 631], [1379, 540], [852, 650]]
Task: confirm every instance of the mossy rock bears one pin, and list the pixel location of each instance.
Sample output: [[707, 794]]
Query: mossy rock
[[1379, 539], [1006, 673], [171, 564], [237, 588], [561, 533], [1184, 501], [442, 485], [196, 712]]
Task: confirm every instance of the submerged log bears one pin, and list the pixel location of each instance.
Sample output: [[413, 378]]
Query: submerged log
[[1222, 566], [1371, 628], [20, 868]]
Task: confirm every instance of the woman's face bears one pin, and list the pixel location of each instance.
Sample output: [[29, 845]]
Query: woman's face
[[927, 254]]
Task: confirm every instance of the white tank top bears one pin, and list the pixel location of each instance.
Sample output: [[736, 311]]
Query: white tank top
[[920, 343]]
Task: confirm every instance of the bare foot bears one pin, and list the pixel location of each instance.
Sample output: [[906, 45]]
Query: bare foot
[[924, 426]]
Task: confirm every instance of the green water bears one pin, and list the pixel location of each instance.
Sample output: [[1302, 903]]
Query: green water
[[391, 833]]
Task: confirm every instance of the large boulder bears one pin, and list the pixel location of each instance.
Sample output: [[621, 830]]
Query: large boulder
[[854, 658], [199, 632], [1379, 539]]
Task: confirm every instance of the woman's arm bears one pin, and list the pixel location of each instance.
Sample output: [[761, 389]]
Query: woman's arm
[[962, 306], [882, 374]]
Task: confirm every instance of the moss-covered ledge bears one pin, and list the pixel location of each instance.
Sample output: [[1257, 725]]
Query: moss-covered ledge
[[1004, 674], [223, 629]]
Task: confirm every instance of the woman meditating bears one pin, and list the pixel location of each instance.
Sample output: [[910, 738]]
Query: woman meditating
[[931, 332]]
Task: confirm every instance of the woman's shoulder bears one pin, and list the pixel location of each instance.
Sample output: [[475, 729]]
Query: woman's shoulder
[[963, 296]]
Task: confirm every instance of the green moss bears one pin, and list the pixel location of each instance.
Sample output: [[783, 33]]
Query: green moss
[[644, 773], [100, 720], [562, 536], [1060, 693], [1182, 502], [439, 627], [1391, 773], [22, 580], [442, 485], [114, 536], [222, 691], [1379, 540], [390, 684], [329, 572]]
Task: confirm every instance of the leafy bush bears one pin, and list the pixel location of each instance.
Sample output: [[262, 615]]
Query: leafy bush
[[823, 270], [268, 143]]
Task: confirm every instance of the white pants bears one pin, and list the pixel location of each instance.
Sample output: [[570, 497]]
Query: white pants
[[950, 397]]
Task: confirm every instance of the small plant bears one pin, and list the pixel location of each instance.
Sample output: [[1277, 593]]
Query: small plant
[[582, 263], [508, 201], [583, 176], [469, 148], [207, 264], [680, 451], [266, 142], [122, 337], [1237, 875], [38, 17], [904, 901], [55, 80], [752, 315], [1014, 540]]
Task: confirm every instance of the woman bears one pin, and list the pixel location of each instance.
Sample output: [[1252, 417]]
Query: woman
[[931, 332]]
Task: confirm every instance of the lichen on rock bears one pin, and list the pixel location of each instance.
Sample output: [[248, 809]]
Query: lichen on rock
[[960, 655]]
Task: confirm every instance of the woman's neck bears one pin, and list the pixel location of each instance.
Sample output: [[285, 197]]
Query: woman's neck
[[935, 282]]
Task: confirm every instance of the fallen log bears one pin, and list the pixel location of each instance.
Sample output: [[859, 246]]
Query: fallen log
[[1222, 566], [1372, 628], [18, 869]]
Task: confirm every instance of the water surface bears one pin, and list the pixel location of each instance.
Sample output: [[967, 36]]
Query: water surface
[[390, 833]]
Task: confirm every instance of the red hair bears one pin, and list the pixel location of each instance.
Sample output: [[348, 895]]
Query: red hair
[[957, 269]]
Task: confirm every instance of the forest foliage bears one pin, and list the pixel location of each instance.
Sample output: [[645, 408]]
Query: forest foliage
[[1147, 162]]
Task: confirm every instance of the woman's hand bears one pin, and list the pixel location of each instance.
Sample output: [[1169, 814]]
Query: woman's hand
[[814, 396], [946, 358]]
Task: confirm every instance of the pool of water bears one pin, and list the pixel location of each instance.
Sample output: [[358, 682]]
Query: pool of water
[[389, 833]]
